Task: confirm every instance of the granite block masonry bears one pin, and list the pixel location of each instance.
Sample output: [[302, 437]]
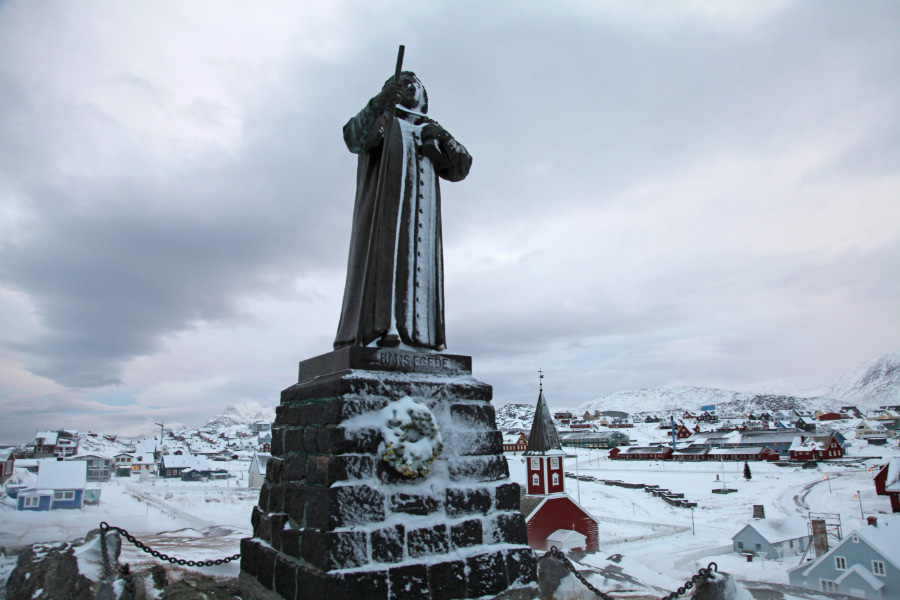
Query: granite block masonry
[[336, 520]]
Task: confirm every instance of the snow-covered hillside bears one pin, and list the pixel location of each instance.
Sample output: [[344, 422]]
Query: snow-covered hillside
[[512, 417]]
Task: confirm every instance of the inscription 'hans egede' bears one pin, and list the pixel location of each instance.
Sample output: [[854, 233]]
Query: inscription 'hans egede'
[[421, 361]]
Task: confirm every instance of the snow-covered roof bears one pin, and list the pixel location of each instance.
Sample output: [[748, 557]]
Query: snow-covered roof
[[744, 450], [865, 574], [642, 450], [691, 450], [779, 530], [892, 481], [564, 536], [143, 459], [184, 461], [146, 446], [61, 474], [260, 459], [82, 455], [5, 454], [49, 437]]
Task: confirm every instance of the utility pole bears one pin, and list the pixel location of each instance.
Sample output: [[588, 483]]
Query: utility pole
[[858, 496]]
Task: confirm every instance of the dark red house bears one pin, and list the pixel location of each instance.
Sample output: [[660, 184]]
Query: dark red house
[[887, 483], [641, 453], [548, 510], [816, 447]]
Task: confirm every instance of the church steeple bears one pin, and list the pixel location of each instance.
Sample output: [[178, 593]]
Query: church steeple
[[544, 455], [543, 432]]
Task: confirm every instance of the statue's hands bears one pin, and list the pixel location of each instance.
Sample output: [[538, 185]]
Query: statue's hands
[[434, 131], [390, 94]]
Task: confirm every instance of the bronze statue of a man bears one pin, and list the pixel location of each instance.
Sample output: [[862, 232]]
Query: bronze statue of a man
[[395, 276]]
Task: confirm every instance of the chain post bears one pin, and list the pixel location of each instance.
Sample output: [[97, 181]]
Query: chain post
[[171, 559], [702, 576]]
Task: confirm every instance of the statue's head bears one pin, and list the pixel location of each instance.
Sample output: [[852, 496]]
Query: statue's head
[[416, 98]]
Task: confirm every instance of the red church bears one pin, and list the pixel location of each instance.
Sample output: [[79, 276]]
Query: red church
[[551, 516]]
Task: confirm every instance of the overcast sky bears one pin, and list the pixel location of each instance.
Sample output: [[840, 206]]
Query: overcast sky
[[663, 193]]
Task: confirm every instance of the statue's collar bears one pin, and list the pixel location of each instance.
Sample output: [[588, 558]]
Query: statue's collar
[[412, 116]]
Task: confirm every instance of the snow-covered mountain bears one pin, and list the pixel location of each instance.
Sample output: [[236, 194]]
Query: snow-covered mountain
[[872, 384], [242, 414], [668, 400]]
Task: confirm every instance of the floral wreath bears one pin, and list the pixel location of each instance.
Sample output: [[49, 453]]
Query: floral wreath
[[412, 441]]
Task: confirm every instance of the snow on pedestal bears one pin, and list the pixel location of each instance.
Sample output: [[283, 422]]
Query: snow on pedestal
[[387, 481]]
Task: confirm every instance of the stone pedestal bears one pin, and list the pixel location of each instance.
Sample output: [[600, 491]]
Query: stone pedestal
[[335, 521]]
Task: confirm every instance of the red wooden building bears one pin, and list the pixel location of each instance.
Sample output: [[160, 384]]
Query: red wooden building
[[887, 483], [548, 510], [641, 453], [816, 447], [515, 442]]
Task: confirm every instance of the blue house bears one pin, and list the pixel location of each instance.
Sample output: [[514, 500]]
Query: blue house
[[865, 564], [773, 538], [60, 484]]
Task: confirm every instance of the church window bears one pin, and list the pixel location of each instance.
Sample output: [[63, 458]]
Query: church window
[[535, 463], [535, 480], [554, 463], [556, 479]]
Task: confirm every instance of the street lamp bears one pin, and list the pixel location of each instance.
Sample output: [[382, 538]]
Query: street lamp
[[858, 496], [829, 482]]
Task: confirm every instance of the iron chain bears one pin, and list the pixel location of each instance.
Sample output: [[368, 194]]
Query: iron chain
[[697, 580], [104, 527]]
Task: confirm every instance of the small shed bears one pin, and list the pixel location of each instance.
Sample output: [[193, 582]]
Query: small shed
[[566, 539], [257, 474]]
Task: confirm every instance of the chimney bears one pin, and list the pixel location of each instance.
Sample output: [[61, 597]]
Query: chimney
[[820, 537], [759, 511], [873, 521]]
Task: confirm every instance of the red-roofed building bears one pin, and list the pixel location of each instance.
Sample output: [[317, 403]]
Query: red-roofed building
[[887, 483]]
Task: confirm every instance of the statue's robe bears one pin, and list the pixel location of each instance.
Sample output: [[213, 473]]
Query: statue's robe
[[395, 280]]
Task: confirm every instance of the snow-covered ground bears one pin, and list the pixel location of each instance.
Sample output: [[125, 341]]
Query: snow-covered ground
[[660, 543]]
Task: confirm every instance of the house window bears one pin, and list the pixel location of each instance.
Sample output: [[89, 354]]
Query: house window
[[556, 479], [828, 585], [554, 463], [878, 567], [535, 463], [855, 539], [759, 546], [31, 501], [535, 480], [791, 543], [740, 545], [840, 563], [64, 495]]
